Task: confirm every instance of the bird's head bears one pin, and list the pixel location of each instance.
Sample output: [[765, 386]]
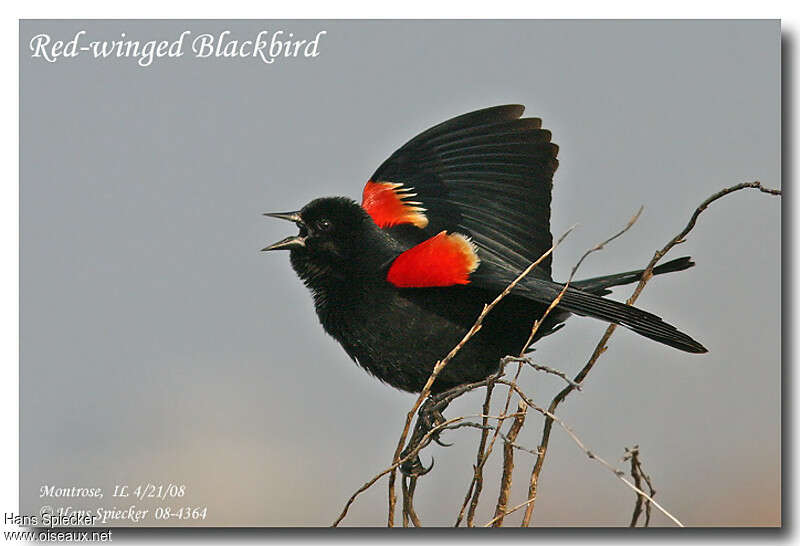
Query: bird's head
[[334, 233]]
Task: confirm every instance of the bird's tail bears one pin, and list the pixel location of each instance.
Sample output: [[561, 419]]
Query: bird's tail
[[633, 318], [600, 285], [577, 300]]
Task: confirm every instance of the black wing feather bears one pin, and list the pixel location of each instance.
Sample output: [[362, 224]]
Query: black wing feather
[[487, 174]]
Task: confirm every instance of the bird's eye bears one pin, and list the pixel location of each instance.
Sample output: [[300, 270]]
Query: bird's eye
[[324, 225]]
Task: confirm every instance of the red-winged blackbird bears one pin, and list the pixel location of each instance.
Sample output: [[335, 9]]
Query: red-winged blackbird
[[445, 224]]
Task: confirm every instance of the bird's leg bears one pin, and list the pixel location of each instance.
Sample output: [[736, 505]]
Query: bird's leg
[[429, 417]]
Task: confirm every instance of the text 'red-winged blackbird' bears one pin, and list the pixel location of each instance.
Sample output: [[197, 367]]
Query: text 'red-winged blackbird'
[[445, 224]]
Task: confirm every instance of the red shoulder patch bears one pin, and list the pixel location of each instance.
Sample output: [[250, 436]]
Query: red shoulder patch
[[388, 205], [442, 260]]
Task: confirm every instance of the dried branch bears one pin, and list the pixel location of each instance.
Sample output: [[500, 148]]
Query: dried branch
[[592, 455], [437, 369], [601, 346], [477, 478], [415, 451], [545, 369], [469, 424], [508, 464], [637, 472], [572, 384], [476, 484], [473, 492]]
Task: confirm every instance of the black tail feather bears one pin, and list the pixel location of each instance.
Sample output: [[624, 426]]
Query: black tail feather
[[641, 322], [600, 285], [580, 302]]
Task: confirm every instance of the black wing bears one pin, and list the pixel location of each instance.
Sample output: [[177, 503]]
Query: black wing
[[487, 174]]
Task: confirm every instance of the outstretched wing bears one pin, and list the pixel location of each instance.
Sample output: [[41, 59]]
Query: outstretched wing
[[486, 177], [487, 174]]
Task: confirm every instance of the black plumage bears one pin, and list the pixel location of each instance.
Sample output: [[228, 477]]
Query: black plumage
[[486, 175]]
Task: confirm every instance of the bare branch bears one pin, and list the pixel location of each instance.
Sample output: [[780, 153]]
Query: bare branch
[[601, 346], [592, 455], [637, 472], [414, 452], [477, 478], [476, 484], [508, 464], [510, 445], [437, 369], [543, 368], [479, 426]]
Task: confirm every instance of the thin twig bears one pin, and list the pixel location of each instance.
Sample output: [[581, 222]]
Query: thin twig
[[601, 346], [479, 426], [549, 415], [477, 475], [557, 300], [508, 463], [477, 479], [442, 363], [638, 475], [414, 452], [543, 368], [590, 454], [532, 487]]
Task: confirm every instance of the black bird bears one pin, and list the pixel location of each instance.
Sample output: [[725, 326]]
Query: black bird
[[445, 224]]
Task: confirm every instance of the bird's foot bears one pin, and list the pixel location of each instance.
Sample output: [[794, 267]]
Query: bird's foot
[[413, 467], [429, 419]]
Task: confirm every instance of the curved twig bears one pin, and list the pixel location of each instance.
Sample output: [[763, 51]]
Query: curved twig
[[601, 345]]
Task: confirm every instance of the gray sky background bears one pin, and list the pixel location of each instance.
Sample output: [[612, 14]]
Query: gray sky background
[[159, 345]]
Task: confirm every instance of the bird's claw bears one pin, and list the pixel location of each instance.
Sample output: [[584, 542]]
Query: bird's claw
[[429, 418], [414, 467]]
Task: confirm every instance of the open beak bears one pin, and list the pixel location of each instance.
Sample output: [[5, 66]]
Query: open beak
[[290, 216], [290, 242]]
